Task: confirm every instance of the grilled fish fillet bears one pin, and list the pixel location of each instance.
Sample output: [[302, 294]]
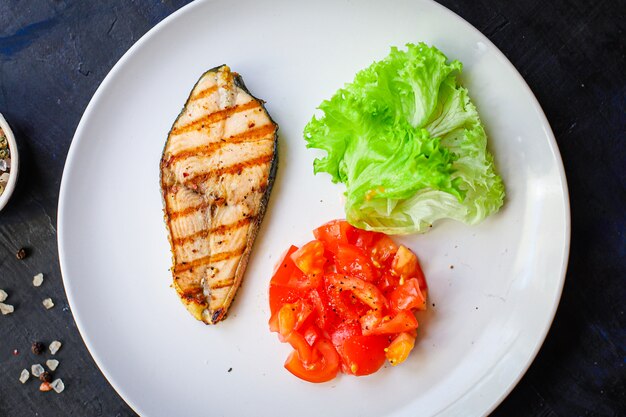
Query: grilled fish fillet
[[217, 171]]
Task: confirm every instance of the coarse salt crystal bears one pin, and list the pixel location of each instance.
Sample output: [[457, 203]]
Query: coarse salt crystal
[[4, 164], [38, 280], [36, 370], [55, 346], [24, 376], [47, 303], [52, 364], [3, 295], [58, 386], [6, 309]]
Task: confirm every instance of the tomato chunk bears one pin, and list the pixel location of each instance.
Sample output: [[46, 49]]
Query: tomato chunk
[[292, 316], [289, 318], [353, 261], [408, 296], [280, 295], [404, 262], [310, 258], [367, 292], [404, 321], [364, 355], [322, 370], [334, 232], [399, 349], [284, 268], [311, 334], [365, 239], [383, 250], [306, 354], [340, 304]]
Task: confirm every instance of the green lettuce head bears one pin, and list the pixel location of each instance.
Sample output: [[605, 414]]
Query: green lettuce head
[[408, 144]]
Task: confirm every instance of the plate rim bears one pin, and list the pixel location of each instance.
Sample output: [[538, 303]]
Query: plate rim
[[553, 145]]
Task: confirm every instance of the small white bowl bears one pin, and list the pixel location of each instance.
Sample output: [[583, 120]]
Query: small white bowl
[[15, 162]]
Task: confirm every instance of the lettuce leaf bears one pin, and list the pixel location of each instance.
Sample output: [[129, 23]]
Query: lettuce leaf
[[408, 144]]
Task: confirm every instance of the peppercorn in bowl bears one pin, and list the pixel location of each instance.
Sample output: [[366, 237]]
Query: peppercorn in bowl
[[9, 162]]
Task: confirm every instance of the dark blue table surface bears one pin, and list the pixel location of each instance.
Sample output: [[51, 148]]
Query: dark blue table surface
[[55, 53]]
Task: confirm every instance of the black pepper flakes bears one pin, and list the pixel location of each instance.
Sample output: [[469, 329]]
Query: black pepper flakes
[[38, 348], [45, 377], [230, 369], [21, 254]]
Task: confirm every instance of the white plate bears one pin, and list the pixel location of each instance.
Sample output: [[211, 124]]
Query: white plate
[[492, 310]]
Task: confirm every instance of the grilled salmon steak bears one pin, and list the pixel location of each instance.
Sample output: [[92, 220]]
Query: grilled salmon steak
[[217, 171]]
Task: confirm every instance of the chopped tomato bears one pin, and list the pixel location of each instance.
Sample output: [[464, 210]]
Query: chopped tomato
[[319, 307], [280, 295], [346, 301], [383, 250], [404, 262], [334, 232], [364, 355], [292, 316], [340, 303], [284, 269], [274, 327], [404, 321], [352, 261], [388, 282], [344, 331], [406, 265], [421, 279], [324, 369], [310, 258], [408, 296], [365, 239], [281, 291], [300, 280], [311, 334], [399, 349], [370, 320], [305, 353], [367, 292], [289, 283]]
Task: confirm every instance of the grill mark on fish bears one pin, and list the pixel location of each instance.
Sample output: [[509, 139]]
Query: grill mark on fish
[[214, 203], [215, 230], [232, 226], [214, 117], [218, 257], [218, 315], [190, 238], [230, 169], [195, 295], [204, 93], [207, 150], [222, 284], [189, 210]]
